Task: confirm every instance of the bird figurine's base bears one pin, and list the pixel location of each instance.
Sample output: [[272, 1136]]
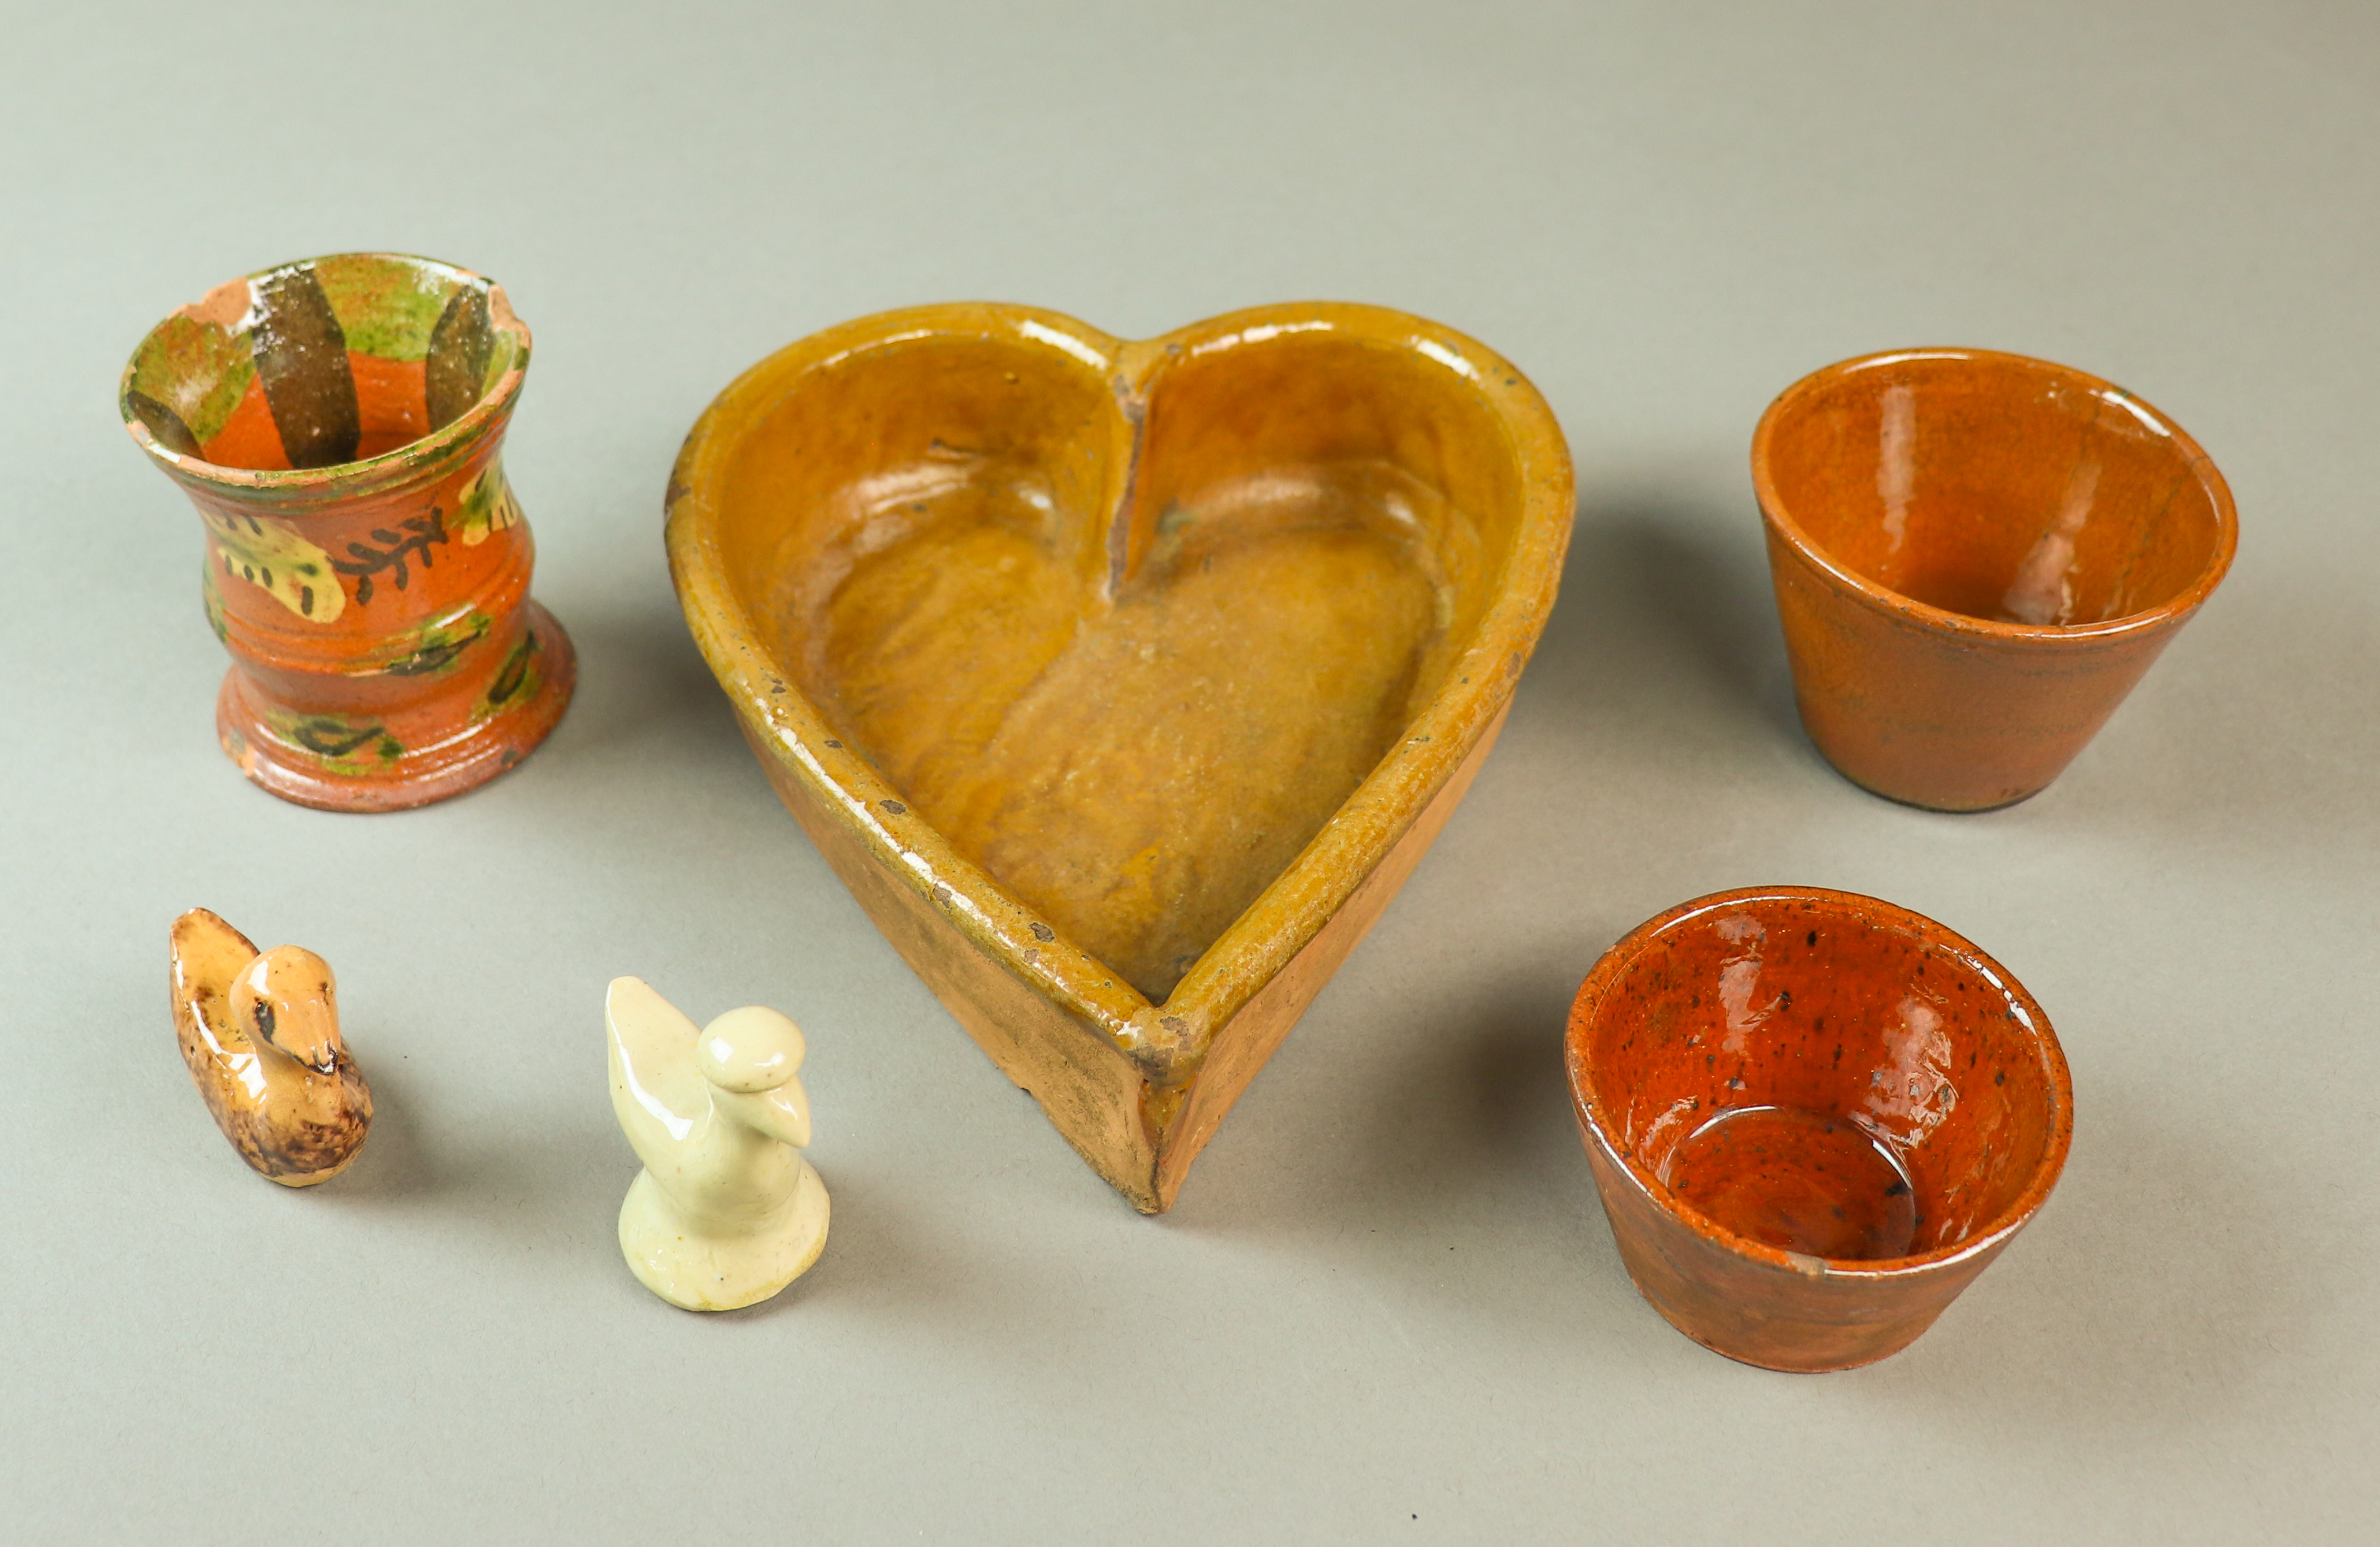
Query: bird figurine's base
[[695, 1271]]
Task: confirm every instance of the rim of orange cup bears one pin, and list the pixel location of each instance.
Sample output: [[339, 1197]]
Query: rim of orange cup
[[1588, 1103], [1773, 509], [343, 477]]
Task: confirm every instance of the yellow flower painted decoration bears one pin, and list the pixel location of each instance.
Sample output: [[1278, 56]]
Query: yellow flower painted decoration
[[487, 507], [270, 553]]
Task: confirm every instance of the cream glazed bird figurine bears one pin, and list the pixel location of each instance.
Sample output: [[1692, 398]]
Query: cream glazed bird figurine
[[260, 1031], [726, 1212]]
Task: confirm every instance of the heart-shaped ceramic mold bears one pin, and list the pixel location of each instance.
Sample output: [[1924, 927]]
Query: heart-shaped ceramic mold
[[1123, 682]]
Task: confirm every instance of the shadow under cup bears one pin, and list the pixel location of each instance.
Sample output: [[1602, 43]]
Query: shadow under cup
[[1814, 1118], [1976, 555]]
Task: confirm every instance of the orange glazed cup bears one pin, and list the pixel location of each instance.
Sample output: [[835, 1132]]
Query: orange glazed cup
[[1976, 555], [339, 424], [1813, 1119]]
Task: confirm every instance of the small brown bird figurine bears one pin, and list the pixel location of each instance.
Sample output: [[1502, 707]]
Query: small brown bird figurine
[[260, 1033]]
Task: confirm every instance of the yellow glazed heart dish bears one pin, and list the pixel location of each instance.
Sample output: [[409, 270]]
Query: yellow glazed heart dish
[[1123, 682]]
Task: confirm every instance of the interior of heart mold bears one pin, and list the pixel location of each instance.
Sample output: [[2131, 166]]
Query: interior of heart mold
[[1134, 709]]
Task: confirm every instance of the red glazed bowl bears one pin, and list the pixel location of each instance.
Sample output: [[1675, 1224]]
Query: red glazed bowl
[[1814, 1118], [1976, 556]]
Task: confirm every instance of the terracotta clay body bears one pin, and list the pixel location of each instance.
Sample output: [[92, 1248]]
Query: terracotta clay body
[[1976, 555], [260, 1031], [726, 1212], [1814, 1118], [339, 423], [1123, 682]]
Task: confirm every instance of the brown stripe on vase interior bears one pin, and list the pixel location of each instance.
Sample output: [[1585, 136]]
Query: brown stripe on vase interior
[[301, 361]]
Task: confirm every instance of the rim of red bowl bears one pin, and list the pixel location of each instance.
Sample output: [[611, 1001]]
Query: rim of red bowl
[[1588, 1106], [2168, 613]]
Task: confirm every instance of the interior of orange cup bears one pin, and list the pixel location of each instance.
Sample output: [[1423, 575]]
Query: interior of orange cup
[[1128, 652], [322, 362], [1822, 1078], [2001, 488]]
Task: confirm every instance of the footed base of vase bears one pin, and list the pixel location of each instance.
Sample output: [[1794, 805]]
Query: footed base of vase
[[348, 763]]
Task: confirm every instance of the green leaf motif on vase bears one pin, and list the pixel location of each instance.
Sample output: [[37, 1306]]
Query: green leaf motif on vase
[[339, 739], [488, 506], [211, 596], [517, 679], [435, 646]]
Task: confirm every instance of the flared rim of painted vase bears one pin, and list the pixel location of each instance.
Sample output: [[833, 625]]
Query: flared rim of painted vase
[[495, 399], [2169, 613], [1986, 1237]]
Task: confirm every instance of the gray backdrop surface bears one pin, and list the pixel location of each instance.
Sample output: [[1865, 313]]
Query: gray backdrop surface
[[1388, 1305]]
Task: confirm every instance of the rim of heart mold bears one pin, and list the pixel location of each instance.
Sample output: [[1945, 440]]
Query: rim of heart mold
[[1137, 1088]]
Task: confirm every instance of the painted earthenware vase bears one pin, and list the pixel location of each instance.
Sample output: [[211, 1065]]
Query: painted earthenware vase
[[1814, 1118], [339, 425], [1976, 555], [1124, 683]]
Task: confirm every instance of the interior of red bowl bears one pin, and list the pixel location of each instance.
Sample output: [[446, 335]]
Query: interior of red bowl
[[313, 364], [1998, 487], [1825, 1075]]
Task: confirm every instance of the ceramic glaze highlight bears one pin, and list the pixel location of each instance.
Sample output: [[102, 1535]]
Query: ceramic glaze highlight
[[1122, 681], [1976, 555], [1813, 1118], [339, 423]]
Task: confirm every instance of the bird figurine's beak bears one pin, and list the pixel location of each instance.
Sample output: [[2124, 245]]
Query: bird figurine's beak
[[783, 1114]]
